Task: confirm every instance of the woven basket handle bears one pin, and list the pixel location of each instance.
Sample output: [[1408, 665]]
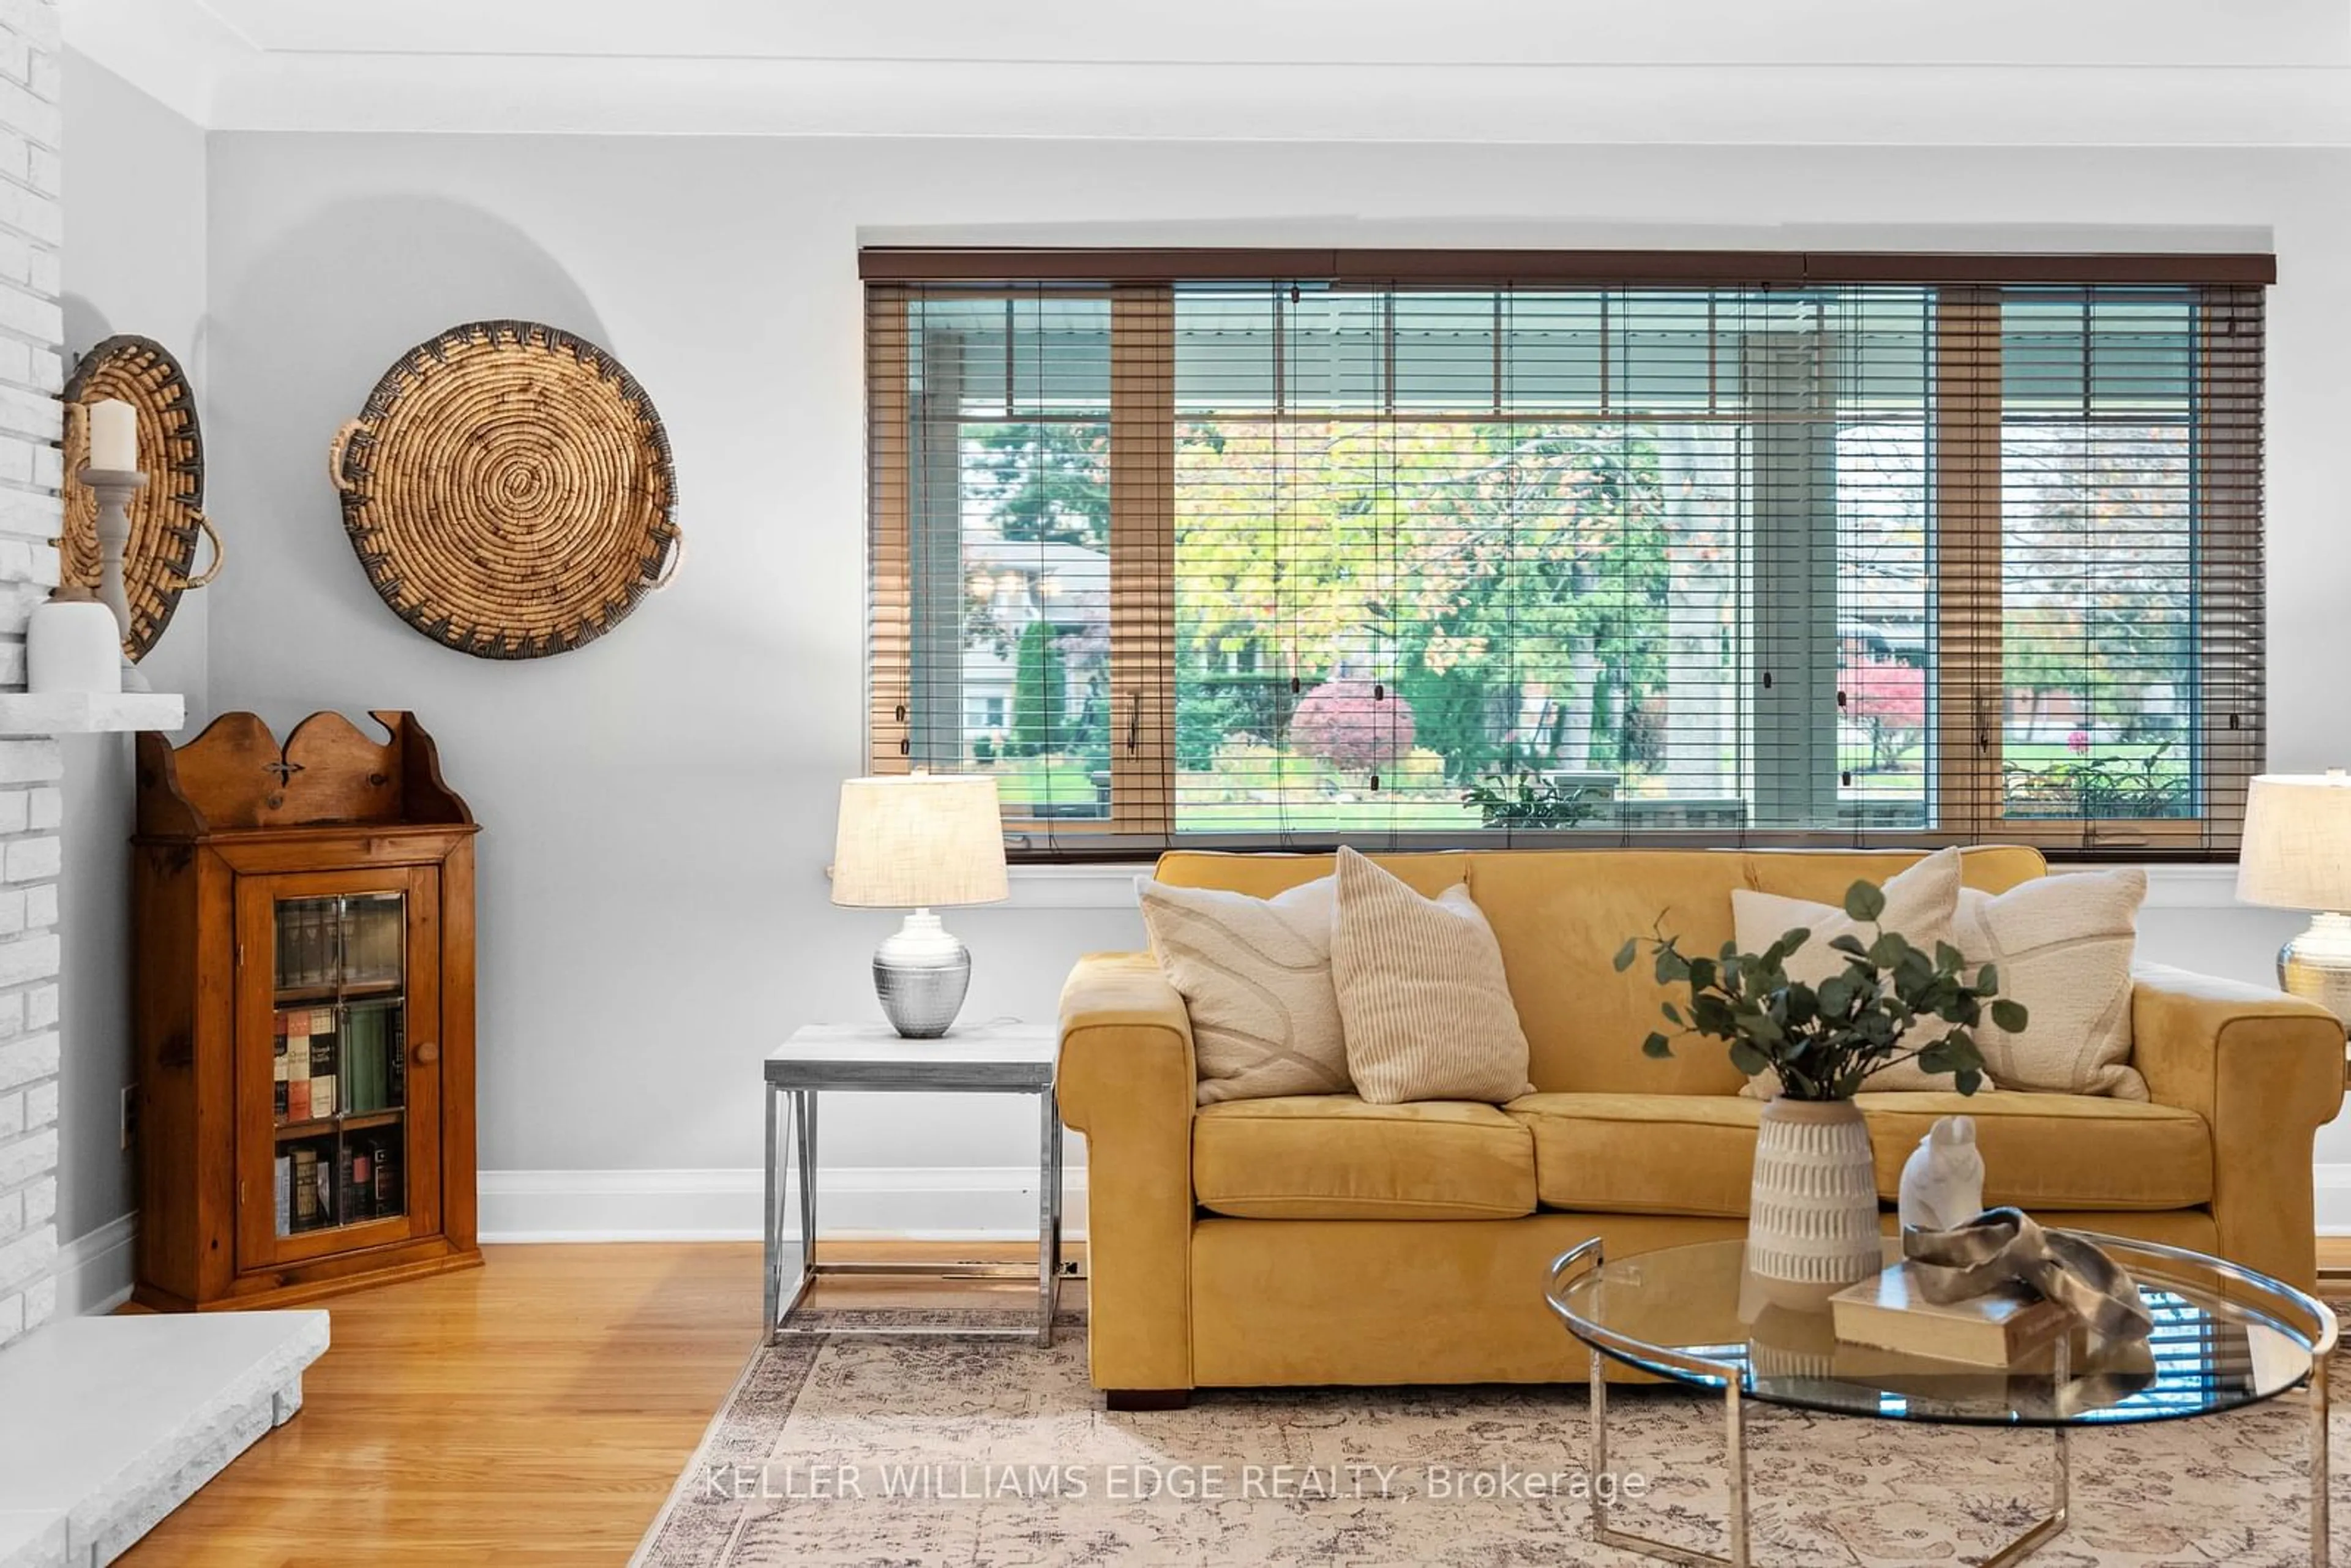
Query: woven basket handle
[[335, 450], [669, 568], [219, 553]]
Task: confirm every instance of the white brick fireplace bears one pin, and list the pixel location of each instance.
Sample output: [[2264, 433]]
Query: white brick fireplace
[[31, 372]]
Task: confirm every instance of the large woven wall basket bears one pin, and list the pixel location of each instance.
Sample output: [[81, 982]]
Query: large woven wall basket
[[167, 513], [509, 490]]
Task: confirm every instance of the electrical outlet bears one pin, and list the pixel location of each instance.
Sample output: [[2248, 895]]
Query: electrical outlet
[[129, 1114]]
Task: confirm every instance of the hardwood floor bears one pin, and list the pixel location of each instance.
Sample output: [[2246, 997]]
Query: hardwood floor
[[535, 1411], [532, 1412]]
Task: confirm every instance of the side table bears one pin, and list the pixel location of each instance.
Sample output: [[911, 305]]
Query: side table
[[986, 1058]]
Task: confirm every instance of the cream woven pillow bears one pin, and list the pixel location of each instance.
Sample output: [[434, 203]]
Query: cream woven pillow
[[2063, 944], [1920, 903], [1426, 1005], [1255, 975]]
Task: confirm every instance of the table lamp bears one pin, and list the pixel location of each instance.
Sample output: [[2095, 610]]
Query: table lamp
[[914, 842], [2296, 855]]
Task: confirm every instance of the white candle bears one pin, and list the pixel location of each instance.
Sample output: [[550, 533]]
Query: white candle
[[113, 435]]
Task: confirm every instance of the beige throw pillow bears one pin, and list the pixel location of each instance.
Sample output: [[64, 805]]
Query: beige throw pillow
[[1920, 903], [2063, 946], [1255, 975], [1426, 1007]]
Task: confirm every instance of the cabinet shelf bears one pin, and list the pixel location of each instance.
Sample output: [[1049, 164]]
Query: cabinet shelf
[[318, 996], [349, 1122]]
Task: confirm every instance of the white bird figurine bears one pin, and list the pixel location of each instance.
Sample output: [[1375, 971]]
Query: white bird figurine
[[1942, 1182]]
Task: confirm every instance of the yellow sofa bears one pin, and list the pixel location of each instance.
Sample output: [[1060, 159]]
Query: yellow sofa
[[1318, 1239]]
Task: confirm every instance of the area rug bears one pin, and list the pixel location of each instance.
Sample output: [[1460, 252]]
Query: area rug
[[836, 1449]]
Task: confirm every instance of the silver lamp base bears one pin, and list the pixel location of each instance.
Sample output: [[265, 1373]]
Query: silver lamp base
[[2316, 965], [921, 974]]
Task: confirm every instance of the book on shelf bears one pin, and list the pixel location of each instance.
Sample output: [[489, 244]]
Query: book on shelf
[[2000, 1329], [283, 1182], [305, 1174], [325, 1060], [294, 1034], [277, 1071], [353, 1184], [370, 1034], [383, 1162]]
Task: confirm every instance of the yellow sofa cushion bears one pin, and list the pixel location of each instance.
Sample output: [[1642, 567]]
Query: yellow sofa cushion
[[1331, 1157], [2056, 1150], [1695, 1154]]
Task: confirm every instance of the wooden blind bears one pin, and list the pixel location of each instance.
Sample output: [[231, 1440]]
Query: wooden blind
[[1861, 549]]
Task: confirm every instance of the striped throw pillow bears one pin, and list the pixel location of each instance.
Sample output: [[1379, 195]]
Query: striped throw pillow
[[1422, 993]]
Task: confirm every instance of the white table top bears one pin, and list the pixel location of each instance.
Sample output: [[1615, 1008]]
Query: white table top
[[965, 1045], [1002, 1056]]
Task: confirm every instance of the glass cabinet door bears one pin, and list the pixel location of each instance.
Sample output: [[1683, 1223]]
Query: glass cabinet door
[[351, 1128]]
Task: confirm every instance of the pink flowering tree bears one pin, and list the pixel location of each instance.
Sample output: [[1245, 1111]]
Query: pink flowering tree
[[1344, 723], [1890, 697]]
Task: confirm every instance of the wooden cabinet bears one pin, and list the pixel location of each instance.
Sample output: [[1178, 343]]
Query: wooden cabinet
[[303, 1013]]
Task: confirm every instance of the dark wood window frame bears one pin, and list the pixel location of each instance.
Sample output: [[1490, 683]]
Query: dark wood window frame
[[1966, 512]]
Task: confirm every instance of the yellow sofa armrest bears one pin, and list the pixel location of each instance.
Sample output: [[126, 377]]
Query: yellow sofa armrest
[[1126, 1081], [2265, 1070]]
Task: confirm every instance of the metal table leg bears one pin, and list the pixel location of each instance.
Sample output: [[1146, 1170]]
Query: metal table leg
[[2321, 1540], [806, 1098], [2043, 1532], [800, 1113], [771, 1233], [1048, 1216]]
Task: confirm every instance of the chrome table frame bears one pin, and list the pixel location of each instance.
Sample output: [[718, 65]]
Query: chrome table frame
[[878, 1061], [1700, 1371]]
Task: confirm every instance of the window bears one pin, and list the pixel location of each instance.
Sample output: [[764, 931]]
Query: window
[[1822, 550]]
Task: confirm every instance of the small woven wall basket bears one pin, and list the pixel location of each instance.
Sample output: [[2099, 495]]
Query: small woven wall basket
[[167, 512], [509, 490]]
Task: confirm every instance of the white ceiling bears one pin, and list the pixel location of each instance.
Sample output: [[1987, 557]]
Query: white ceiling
[[1964, 71]]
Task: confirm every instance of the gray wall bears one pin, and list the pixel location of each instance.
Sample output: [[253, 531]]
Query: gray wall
[[133, 262], [658, 806]]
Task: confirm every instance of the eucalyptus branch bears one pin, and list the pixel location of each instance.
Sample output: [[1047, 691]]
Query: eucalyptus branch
[[1824, 1041]]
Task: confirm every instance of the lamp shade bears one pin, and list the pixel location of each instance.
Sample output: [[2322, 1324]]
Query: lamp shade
[[2297, 853], [918, 840]]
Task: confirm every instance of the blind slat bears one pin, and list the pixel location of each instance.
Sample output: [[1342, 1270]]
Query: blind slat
[[1232, 561]]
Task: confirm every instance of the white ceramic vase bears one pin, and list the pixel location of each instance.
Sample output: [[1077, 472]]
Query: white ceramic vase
[[1812, 1216], [73, 646]]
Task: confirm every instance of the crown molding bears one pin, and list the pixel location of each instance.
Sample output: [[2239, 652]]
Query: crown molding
[[303, 65], [178, 52]]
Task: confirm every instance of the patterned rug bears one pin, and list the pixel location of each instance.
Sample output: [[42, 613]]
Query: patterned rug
[[996, 1454]]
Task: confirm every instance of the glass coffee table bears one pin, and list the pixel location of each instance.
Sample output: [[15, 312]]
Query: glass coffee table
[[2225, 1337]]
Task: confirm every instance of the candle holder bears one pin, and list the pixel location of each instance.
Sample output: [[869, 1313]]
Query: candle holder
[[114, 487]]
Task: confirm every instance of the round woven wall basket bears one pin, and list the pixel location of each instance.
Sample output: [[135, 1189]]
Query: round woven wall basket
[[166, 512], [509, 490]]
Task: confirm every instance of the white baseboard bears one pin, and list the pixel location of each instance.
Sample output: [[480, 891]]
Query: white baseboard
[[944, 1203], [970, 1203], [94, 1270]]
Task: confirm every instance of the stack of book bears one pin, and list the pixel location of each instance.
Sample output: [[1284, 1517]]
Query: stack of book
[[371, 1058], [308, 933], [372, 930], [343, 1181], [304, 1064], [2000, 1328], [306, 1190]]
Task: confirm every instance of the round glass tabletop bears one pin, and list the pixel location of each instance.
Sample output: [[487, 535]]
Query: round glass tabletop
[[2224, 1337]]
